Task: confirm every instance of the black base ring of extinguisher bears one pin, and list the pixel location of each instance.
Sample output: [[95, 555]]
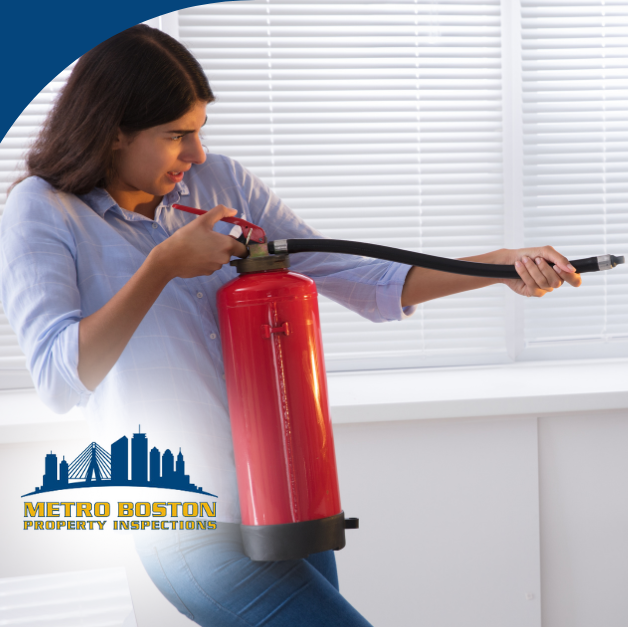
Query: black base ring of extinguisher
[[266, 543]]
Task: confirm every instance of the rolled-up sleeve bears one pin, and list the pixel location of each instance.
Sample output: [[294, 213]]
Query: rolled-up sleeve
[[40, 295], [370, 287]]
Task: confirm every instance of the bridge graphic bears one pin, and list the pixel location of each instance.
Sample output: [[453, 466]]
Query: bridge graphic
[[95, 467], [94, 462]]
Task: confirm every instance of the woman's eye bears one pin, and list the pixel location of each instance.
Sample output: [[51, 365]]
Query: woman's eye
[[176, 137]]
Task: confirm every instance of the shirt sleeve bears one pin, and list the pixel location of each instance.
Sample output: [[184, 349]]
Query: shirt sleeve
[[40, 294], [370, 287]]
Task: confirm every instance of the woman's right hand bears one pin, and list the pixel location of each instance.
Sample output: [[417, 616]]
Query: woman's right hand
[[195, 249]]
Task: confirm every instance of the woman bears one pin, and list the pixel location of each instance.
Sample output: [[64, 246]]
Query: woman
[[112, 295]]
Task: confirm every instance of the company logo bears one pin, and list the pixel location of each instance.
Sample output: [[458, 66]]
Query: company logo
[[96, 468]]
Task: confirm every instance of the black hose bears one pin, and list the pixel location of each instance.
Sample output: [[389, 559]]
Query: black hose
[[454, 266]]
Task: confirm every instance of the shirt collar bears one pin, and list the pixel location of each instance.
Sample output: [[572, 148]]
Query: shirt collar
[[101, 201], [180, 189]]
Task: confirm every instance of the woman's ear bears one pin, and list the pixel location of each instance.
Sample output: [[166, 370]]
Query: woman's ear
[[120, 141]]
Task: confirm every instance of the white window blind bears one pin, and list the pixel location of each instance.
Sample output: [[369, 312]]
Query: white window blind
[[382, 122], [378, 122], [13, 372], [575, 160]]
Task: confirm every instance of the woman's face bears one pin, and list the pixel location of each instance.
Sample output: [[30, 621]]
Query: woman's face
[[150, 163]]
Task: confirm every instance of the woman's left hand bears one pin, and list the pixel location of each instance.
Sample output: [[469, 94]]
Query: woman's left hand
[[541, 270]]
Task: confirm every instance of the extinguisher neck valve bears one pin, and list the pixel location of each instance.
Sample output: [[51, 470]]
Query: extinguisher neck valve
[[258, 250], [264, 263]]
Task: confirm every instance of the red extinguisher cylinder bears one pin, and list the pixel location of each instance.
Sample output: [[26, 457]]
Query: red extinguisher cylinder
[[282, 433]]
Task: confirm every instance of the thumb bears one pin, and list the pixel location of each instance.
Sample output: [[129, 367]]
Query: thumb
[[216, 214]]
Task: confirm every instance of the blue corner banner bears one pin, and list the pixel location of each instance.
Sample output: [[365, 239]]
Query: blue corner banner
[[39, 41]]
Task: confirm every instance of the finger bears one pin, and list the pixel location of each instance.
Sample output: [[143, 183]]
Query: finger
[[551, 276], [540, 281], [229, 246], [548, 253], [525, 277], [573, 278], [239, 249], [217, 213]]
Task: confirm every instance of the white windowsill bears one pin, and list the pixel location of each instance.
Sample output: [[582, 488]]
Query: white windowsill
[[377, 396], [501, 390]]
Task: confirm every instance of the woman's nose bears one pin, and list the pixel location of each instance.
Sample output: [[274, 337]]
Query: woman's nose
[[194, 151]]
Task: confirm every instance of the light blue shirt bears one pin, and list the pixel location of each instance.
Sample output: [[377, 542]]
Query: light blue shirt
[[62, 257]]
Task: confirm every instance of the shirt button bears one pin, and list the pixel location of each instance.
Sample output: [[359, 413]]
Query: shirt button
[[212, 336], [155, 225], [199, 294]]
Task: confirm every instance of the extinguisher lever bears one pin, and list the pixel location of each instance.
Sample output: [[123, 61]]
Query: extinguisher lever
[[251, 233]]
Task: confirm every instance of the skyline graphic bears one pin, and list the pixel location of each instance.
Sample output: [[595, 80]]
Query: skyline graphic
[[95, 467]]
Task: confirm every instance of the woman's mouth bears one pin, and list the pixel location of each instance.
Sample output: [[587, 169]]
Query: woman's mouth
[[176, 177]]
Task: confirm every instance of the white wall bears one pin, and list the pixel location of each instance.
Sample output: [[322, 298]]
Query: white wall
[[449, 522], [447, 510], [584, 519]]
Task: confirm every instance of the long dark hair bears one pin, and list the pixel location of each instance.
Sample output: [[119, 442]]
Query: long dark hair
[[137, 79]]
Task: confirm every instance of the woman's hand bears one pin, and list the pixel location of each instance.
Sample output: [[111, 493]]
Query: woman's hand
[[542, 270], [552, 269], [196, 250]]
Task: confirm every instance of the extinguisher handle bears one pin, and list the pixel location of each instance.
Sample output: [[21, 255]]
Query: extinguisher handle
[[251, 233]]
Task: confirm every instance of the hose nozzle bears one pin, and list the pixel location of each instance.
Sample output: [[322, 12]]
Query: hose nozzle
[[606, 262], [615, 261]]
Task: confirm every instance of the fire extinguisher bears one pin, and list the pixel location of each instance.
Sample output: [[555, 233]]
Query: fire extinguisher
[[282, 434], [277, 389]]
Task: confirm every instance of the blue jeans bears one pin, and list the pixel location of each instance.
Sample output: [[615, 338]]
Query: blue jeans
[[207, 577]]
